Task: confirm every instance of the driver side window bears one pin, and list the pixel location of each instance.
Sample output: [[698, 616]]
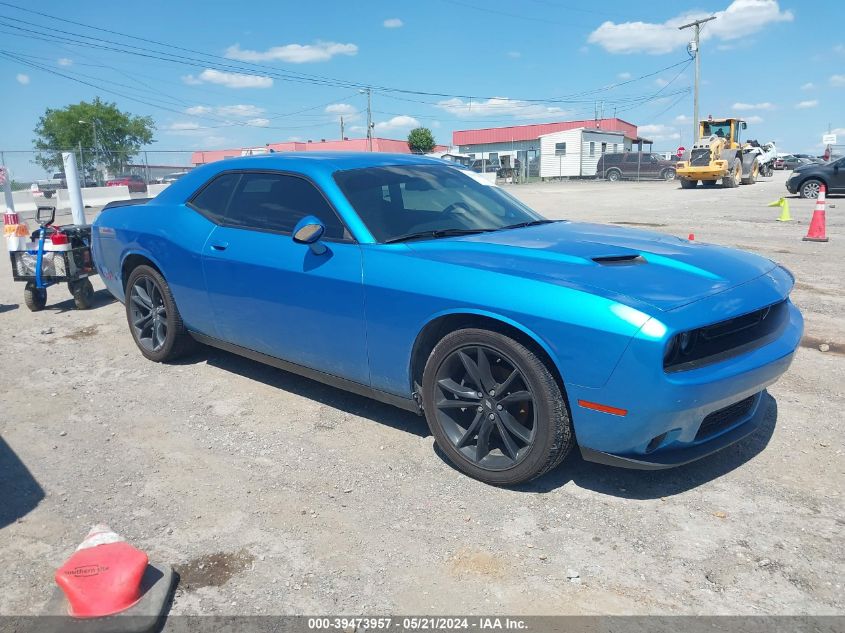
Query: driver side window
[[267, 201]]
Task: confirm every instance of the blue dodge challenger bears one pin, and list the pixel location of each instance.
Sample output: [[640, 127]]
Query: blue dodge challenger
[[422, 285]]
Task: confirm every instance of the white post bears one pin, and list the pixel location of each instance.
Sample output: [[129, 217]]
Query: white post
[[77, 211], [7, 190]]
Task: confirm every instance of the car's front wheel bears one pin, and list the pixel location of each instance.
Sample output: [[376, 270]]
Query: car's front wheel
[[613, 175], [810, 189], [495, 408], [154, 320]]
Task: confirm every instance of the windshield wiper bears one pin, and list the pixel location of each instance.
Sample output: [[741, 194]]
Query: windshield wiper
[[520, 225], [434, 234]]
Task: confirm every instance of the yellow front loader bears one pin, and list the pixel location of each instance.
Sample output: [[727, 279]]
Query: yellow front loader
[[718, 154]]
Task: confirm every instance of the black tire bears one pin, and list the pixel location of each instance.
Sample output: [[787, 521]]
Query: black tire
[[731, 181], [175, 341], [540, 448], [688, 184], [613, 175], [668, 174], [48, 194], [83, 294], [752, 176], [810, 188], [34, 298]]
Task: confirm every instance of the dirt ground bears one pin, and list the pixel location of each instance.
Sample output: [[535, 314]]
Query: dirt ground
[[274, 494]]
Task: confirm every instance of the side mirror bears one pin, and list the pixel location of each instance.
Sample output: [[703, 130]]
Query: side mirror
[[309, 230], [45, 215]]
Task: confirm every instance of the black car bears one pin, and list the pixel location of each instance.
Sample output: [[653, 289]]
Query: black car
[[619, 165], [806, 179]]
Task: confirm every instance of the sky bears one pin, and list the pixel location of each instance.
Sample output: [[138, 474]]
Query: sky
[[221, 74]]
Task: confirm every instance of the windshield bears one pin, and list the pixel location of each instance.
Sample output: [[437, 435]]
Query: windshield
[[403, 200], [717, 129]]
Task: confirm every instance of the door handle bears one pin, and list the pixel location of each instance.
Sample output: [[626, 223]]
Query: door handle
[[220, 246]]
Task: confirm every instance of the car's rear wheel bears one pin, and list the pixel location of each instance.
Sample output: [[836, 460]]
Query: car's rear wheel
[[154, 320], [494, 407], [613, 175], [810, 189]]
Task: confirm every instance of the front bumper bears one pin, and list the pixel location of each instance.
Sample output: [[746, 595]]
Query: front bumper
[[792, 184], [662, 426]]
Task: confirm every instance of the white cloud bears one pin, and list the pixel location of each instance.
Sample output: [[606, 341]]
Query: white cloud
[[753, 119], [624, 76], [660, 82], [740, 19], [837, 81], [499, 107], [839, 48], [393, 23], [514, 54], [258, 122], [64, 61], [739, 106], [230, 80], [803, 105], [808, 86], [683, 118], [658, 132], [293, 53], [183, 128], [400, 122], [239, 110], [22, 79], [837, 131], [341, 109]]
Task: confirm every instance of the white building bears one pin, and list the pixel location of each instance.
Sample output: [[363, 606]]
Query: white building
[[575, 153]]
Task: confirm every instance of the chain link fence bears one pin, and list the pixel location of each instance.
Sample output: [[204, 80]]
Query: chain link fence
[[33, 170]]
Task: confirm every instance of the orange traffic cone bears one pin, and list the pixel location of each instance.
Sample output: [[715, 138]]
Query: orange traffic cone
[[816, 232]]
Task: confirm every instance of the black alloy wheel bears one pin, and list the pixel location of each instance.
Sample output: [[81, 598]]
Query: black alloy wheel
[[154, 320], [485, 407]]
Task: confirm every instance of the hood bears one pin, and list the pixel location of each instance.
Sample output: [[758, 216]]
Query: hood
[[662, 271]]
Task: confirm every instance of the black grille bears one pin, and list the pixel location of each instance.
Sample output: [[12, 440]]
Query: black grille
[[722, 340], [724, 418], [700, 157]]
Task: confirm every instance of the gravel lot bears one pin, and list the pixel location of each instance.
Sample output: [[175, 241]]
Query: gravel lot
[[274, 494]]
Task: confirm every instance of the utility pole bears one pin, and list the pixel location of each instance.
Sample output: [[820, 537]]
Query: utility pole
[[341, 128], [694, 49], [369, 119]]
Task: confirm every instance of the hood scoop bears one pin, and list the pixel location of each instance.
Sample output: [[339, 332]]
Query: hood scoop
[[620, 260]]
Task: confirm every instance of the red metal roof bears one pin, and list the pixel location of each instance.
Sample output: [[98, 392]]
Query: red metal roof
[[535, 130], [387, 145]]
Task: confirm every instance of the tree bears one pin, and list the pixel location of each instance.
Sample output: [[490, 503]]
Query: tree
[[119, 136], [420, 140]]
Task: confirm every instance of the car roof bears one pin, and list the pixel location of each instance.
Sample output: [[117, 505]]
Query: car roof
[[323, 161], [315, 165]]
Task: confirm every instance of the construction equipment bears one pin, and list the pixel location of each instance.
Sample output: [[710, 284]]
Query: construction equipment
[[718, 154]]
